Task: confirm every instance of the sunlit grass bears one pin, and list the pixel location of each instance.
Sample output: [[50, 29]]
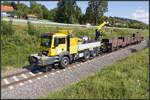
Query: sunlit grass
[[124, 79]]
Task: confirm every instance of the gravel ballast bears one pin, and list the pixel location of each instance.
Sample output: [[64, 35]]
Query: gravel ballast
[[63, 78]]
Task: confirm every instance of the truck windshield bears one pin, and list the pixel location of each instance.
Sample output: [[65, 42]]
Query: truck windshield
[[46, 41]]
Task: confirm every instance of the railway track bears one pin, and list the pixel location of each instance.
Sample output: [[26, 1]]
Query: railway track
[[21, 77]]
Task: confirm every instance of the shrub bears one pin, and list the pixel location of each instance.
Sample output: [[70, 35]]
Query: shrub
[[82, 33], [31, 29], [7, 28]]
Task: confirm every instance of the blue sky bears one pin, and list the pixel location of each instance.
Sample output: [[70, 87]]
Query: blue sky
[[138, 10]]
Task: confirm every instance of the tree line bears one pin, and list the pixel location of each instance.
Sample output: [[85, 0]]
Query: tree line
[[67, 11]]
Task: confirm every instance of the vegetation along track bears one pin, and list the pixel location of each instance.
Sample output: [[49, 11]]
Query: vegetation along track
[[24, 76]]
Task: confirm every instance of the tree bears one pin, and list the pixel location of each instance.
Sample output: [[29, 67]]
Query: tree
[[52, 14], [6, 3], [18, 3], [67, 12], [82, 19], [38, 12], [78, 14], [36, 9], [45, 12], [14, 5], [32, 4], [95, 11], [22, 10]]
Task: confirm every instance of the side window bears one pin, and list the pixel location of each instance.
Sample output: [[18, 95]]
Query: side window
[[61, 40]]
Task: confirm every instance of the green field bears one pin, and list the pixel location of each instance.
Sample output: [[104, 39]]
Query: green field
[[17, 48], [124, 79]]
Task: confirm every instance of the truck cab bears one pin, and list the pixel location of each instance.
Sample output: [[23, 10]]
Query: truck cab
[[53, 44]]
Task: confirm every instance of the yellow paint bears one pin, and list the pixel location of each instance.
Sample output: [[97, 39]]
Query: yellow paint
[[101, 25], [43, 48], [45, 59], [74, 45], [61, 47], [63, 32]]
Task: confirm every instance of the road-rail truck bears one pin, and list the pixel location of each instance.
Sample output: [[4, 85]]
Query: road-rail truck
[[61, 48]]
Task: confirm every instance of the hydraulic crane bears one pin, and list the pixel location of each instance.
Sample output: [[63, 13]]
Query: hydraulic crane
[[98, 32]]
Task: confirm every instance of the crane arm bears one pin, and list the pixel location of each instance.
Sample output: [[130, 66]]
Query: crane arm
[[101, 25]]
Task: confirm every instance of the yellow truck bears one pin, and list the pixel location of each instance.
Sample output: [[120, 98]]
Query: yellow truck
[[61, 49]]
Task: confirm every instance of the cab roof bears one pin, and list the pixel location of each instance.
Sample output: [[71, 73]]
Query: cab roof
[[60, 32]]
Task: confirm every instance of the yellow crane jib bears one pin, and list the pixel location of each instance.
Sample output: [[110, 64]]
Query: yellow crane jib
[[98, 33], [101, 25]]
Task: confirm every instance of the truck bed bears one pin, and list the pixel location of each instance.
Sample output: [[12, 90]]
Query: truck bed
[[88, 45]]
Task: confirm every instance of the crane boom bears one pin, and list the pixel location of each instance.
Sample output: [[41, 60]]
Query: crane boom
[[98, 33], [101, 25]]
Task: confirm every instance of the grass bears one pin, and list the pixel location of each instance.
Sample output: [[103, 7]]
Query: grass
[[17, 48], [126, 78]]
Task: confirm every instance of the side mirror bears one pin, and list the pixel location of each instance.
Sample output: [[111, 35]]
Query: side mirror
[[56, 42]]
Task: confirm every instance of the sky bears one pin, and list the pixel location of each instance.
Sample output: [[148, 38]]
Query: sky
[[138, 10]]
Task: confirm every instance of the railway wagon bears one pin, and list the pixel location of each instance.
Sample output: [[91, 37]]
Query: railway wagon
[[124, 41], [133, 40], [129, 40], [120, 42], [113, 44], [138, 37]]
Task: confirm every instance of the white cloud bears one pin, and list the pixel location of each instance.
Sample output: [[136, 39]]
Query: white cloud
[[141, 15]]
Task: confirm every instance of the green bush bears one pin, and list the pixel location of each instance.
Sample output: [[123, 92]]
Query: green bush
[[82, 33], [31, 29], [7, 28]]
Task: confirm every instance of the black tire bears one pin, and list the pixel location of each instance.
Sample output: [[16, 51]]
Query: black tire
[[93, 54], [105, 48], [97, 52], [64, 62], [86, 54], [109, 48]]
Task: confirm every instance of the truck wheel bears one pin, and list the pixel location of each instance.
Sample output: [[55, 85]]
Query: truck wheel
[[93, 53], [64, 62], [97, 52], [105, 49], [86, 54]]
